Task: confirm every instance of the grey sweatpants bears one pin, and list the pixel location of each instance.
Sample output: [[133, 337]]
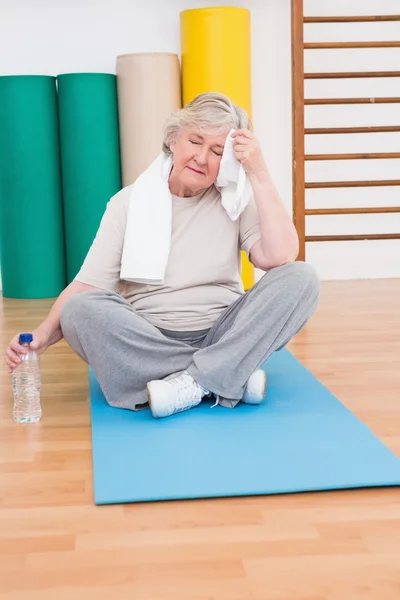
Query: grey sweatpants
[[125, 351]]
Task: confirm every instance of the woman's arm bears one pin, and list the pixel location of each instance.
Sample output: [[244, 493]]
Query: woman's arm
[[51, 325], [100, 271], [279, 241], [49, 331]]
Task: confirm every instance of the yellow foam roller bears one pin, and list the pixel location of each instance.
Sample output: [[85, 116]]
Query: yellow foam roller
[[215, 46]]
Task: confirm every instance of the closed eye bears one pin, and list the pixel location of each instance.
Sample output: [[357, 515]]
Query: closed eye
[[199, 144]]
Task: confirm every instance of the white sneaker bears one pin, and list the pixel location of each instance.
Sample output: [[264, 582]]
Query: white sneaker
[[255, 388], [174, 394]]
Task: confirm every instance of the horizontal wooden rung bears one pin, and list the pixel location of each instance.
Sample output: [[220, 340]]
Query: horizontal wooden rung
[[355, 19], [381, 100], [342, 184], [343, 45], [346, 238], [352, 75], [334, 130], [353, 211], [358, 156]]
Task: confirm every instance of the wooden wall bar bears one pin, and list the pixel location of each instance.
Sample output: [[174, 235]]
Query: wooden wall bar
[[299, 131]]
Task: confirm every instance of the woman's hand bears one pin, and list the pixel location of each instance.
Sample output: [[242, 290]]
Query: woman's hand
[[248, 152], [40, 343]]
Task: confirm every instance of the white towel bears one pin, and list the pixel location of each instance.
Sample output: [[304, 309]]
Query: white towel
[[148, 229], [147, 238], [232, 181]]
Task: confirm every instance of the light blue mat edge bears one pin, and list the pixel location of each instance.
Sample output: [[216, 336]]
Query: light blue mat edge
[[388, 477]]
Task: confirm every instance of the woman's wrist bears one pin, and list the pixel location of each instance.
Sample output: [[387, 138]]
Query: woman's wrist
[[51, 333], [260, 176]]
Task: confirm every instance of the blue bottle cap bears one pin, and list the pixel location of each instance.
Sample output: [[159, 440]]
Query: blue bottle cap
[[25, 338]]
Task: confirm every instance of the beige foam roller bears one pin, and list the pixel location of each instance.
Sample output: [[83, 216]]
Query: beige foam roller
[[149, 89]]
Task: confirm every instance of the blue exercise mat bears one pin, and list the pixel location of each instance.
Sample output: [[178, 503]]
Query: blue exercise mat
[[300, 439]]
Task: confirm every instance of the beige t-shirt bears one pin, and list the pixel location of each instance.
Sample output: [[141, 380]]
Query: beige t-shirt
[[203, 272]]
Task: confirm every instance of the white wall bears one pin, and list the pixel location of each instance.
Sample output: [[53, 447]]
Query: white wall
[[51, 37]]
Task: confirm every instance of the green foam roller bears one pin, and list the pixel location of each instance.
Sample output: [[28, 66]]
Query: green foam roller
[[32, 251], [90, 157]]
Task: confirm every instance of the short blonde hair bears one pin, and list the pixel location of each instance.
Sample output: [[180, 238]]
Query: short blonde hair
[[209, 111]]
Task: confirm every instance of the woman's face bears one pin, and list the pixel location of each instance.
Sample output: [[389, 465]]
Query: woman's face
[[197, 156]]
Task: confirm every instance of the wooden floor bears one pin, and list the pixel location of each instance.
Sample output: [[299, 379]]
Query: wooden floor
[[344, 545]]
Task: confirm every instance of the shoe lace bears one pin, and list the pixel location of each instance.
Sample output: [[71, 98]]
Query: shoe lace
[[217, 401], [188, 392]]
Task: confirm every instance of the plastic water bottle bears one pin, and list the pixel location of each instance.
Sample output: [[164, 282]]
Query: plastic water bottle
[[27, 384]]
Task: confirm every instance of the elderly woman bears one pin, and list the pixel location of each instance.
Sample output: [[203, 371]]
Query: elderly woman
[[198, 334]]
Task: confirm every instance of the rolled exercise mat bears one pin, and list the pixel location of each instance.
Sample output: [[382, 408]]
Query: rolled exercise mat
[[215, 45], [149, 89], [300, 439], [90, 157], [31, 223]]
